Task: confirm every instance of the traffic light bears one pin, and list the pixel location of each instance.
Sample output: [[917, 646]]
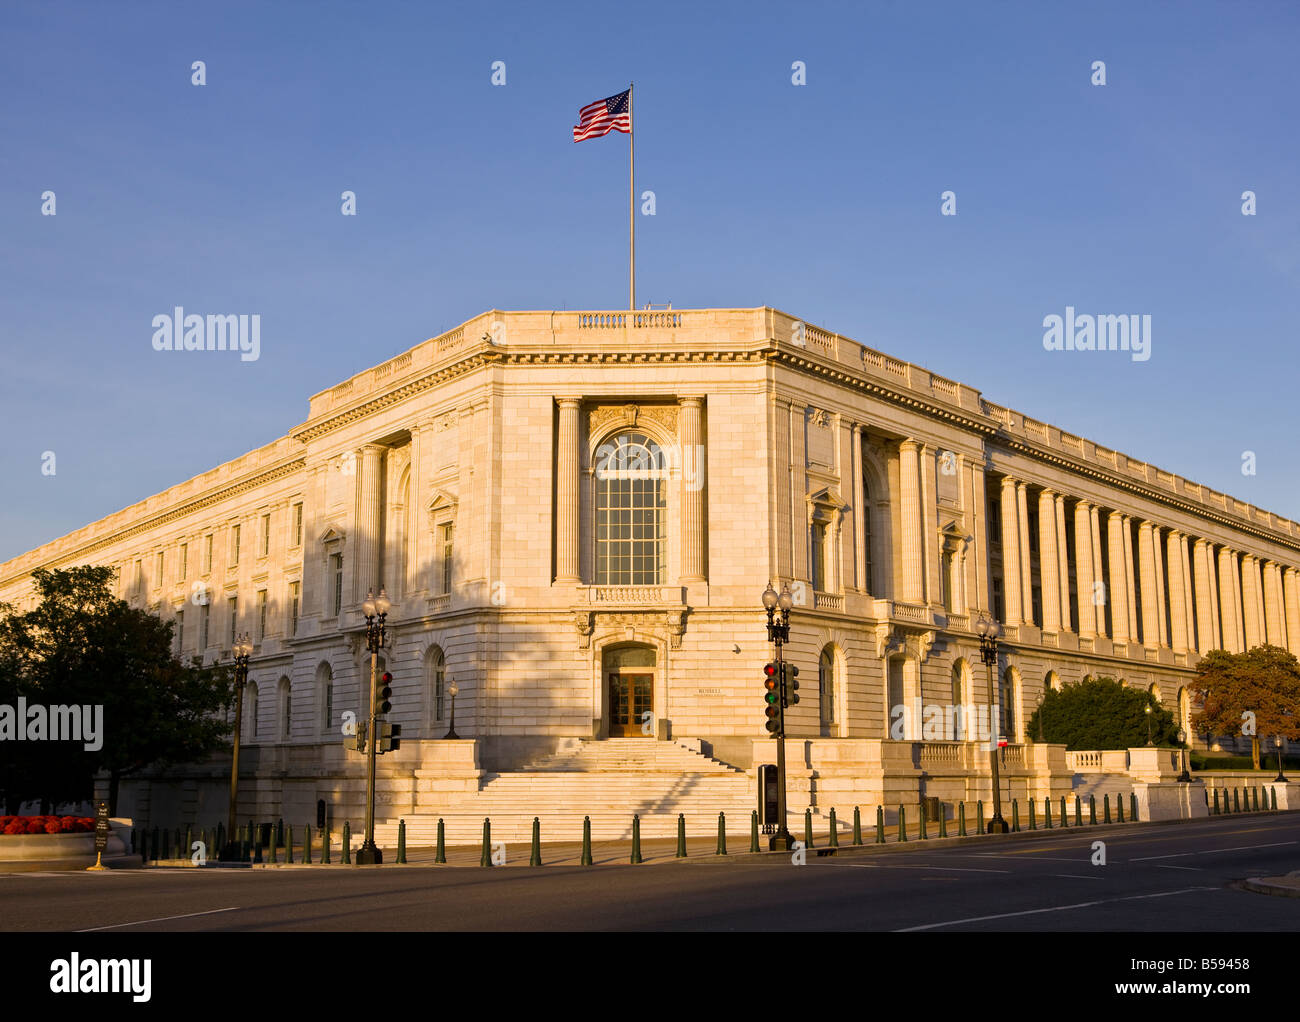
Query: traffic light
[[771, 698], [390, 737], [385, 693], [357, 742], [790, 690]]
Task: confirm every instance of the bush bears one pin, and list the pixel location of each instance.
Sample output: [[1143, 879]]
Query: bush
[[16, 825], [1101, 714]]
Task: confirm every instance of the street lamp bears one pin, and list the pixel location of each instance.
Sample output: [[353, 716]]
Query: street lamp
[[989, 631], [242, 651], [1281, 777], [376, 611], [1184, 777], [778, 633], [1147, 710], [452, 689]]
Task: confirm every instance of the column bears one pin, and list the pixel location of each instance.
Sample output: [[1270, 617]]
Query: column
[[860, 512], [1011, 587], [1048, 561], [418, 543], [1147, 562], [1291, 597], [1250, 602], [1238, 566], [693, 468], [1205, 639], [1084, 571], [1212, 573], [1063, 565], [1274, 624], [1162, 622], [1189, 594], [1026, 563], [1177, 594], [910, 513], [1130, 578], [369, 524], [1228, 616], [1117, 583], [1098, 570], [566, 494]]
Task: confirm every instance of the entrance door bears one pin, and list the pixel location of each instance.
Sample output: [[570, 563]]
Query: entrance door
[[631, 696]]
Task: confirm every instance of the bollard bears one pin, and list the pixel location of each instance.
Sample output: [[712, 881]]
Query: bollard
[[835, 831], [153, 844], [857, 826], [1047, 812], [1033, 822], [306, 845], [288, 845], [1078, 812], [1063, 812], [586, 841], [753, 831], [902, 824], [1105, 807], [722, 834], [807, 828], [248, 845], [943, 821], [1119, 808], [1133, 806], [486, 858], [1092, 809], [1236, 800], [144, 847], [1015, 815], [440, 852], [681, 837], [961, 818], [189, 842], [279, 830], [921, 835], [1274, 791], [347, 843], [880, 825], [325, 845], [979, 817], [636, 838], [1215, 810], [275, 841], [401, 842], [1254, 797], [535, 856]]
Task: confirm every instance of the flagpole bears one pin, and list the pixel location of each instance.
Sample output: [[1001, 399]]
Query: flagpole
[[631, 203]]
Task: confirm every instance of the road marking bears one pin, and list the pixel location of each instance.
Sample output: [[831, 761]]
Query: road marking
[[1076, 876], [950, 869], [1194, 869], [1212, 851], [1054, 908], [1021, 856], [160, 919]]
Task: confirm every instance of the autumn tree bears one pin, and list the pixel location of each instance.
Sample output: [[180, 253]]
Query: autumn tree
[[1251, 694]]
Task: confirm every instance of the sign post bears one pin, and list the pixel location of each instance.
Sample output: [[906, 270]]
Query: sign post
[[101, 837]]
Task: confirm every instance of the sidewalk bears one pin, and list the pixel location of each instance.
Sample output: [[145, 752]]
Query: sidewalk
[[1282, 887]]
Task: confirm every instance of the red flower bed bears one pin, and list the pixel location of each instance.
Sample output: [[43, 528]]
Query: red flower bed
[[46, 824]]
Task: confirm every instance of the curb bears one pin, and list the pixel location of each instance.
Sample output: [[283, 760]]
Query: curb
[[1261, 885]]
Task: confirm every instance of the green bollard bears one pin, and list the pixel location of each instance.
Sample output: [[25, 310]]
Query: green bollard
[[275, 841], [722, 835], [979, 817], [1215, 810], [306, 845], [943, 821], [857, 825], [1236, 800], [440, 852], [835, 831], [1015, 815], [1078, 812], [1274, 791], [486, 858], [1133, 806], [1105, 807], [636, 838], [1119, 808], [279, 830], [1047, 812], [961, 818], [347, 843], [1033, 822], [753, 831], [921, 835], [1254, 798], [902, 824], [288, 845], [681, 837], [1092, 809], [1063, 812], [325, 845], [880, 825], [535, 856], [807, 828], [586, 841], [401, 842], [248, 847]]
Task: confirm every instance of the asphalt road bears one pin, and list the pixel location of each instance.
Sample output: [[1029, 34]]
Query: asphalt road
[[1158, 878]]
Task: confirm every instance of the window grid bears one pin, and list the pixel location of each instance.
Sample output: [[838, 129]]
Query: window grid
[[631, 513]]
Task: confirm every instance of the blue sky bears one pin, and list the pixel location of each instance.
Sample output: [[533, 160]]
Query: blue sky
[[822, 200]]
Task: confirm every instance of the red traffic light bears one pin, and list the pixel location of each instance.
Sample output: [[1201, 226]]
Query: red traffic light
[[770, 670]]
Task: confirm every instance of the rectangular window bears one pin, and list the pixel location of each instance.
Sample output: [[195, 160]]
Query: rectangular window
[[207, 554], [998, 611], [180, 632], [266, 535], [161, 564], [995, 522], [297, 524], [139, 576], [295, 590], [261, 614], [337, 561], [816, 567], [233, 604], [204, 617], [185, 561], [234, 545], [447, 533]]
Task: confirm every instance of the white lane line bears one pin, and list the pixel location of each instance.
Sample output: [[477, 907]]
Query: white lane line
[[1076, 876], [954, 869], [1194, 869], [160, 919], [1054, 908], [1213, 851], [1027, 857]]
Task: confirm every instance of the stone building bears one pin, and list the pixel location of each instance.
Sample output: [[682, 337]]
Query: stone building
[[575, 515]]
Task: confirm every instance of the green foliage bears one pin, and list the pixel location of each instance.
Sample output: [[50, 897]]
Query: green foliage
[[1102, 714], [1252, 694], [83, 646]]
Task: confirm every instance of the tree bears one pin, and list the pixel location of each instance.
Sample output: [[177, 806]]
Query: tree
[[81, 646], [1102, 714], [1253, 693]]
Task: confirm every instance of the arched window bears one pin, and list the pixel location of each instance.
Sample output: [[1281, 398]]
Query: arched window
[[631, 509], [826, 690], [1053, 681], [325, 687], [285, 691], [250, 709], [435, 681]]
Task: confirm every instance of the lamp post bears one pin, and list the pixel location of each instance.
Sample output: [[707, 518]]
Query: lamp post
[[1147, 710], [243, 650], [1184, 777], [376, 612], [452, 689], [1281, 777], [989, 630], [778, 633]]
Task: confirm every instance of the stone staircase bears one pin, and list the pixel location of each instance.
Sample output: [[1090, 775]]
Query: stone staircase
[[1117, 786], [608, 781]]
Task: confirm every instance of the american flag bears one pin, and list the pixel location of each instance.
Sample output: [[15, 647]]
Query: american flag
[[603, 116]]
